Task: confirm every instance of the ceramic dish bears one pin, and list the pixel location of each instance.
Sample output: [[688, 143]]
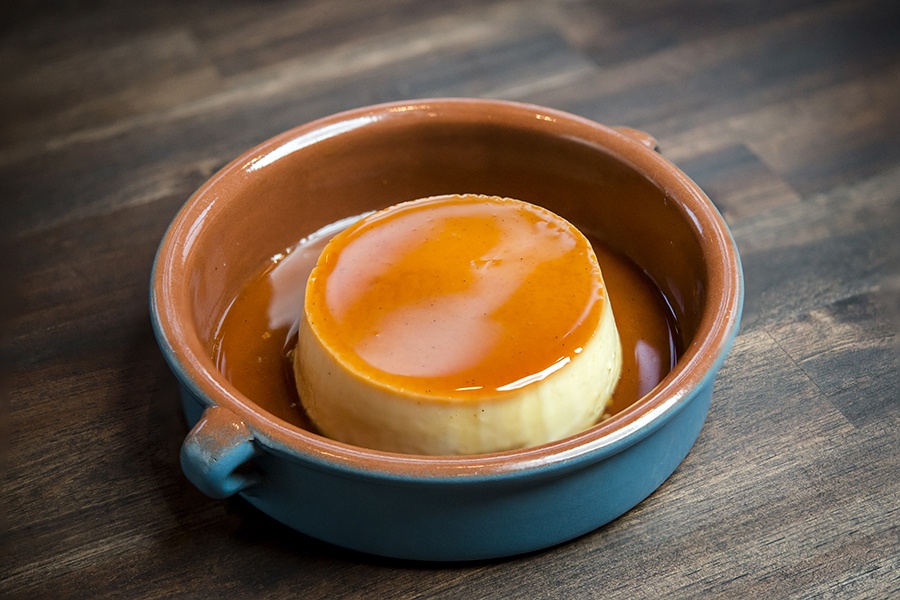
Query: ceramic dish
[[608, 181]]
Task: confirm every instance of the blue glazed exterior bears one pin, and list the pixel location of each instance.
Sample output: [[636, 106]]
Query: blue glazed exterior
[[500, 516], [480, 518]]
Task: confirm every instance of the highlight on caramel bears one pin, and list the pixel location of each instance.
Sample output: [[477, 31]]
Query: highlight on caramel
[[457, 297]]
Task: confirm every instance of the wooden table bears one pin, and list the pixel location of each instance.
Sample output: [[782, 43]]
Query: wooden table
[[787, 115]]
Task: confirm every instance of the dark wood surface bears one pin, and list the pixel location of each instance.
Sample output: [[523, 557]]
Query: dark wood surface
[[784, 112]]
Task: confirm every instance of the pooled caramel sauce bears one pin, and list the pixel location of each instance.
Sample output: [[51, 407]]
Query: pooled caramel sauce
[[258, 331], [456, 297]]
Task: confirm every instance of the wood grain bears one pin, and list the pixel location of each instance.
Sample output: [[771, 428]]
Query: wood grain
[[785, 113]]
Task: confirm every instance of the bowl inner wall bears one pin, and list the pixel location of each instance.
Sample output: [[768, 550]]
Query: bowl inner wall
[[262, 212]]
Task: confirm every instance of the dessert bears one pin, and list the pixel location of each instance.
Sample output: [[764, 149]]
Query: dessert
[[456, 325]]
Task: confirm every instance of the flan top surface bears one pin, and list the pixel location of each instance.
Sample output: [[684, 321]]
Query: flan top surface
[[456, 297]]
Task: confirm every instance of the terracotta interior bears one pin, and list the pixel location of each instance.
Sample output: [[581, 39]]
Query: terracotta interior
[[391, 161], [608, 184]]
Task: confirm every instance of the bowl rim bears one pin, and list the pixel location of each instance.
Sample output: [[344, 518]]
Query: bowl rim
[[695, 369]]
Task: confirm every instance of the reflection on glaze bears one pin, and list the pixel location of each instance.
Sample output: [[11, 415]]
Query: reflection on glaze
[[294, 267], [318, 135]]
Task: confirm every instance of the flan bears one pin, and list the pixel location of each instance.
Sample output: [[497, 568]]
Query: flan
[[459, 324]]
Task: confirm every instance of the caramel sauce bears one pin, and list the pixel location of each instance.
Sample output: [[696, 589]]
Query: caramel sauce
[[258, 331], [456, 297]]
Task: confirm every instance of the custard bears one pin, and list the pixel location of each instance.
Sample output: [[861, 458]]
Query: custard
[[456, 325]]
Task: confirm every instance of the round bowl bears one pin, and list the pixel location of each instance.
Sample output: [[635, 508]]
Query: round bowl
[[607, 181]]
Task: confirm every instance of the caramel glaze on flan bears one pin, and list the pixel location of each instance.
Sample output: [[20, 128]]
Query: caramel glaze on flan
[[456, 325]]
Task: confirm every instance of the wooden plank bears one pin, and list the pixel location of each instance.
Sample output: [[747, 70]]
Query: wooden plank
[[785, 113]]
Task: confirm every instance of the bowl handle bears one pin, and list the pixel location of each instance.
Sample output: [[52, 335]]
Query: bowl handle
[[641, 136], [213, 452]]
